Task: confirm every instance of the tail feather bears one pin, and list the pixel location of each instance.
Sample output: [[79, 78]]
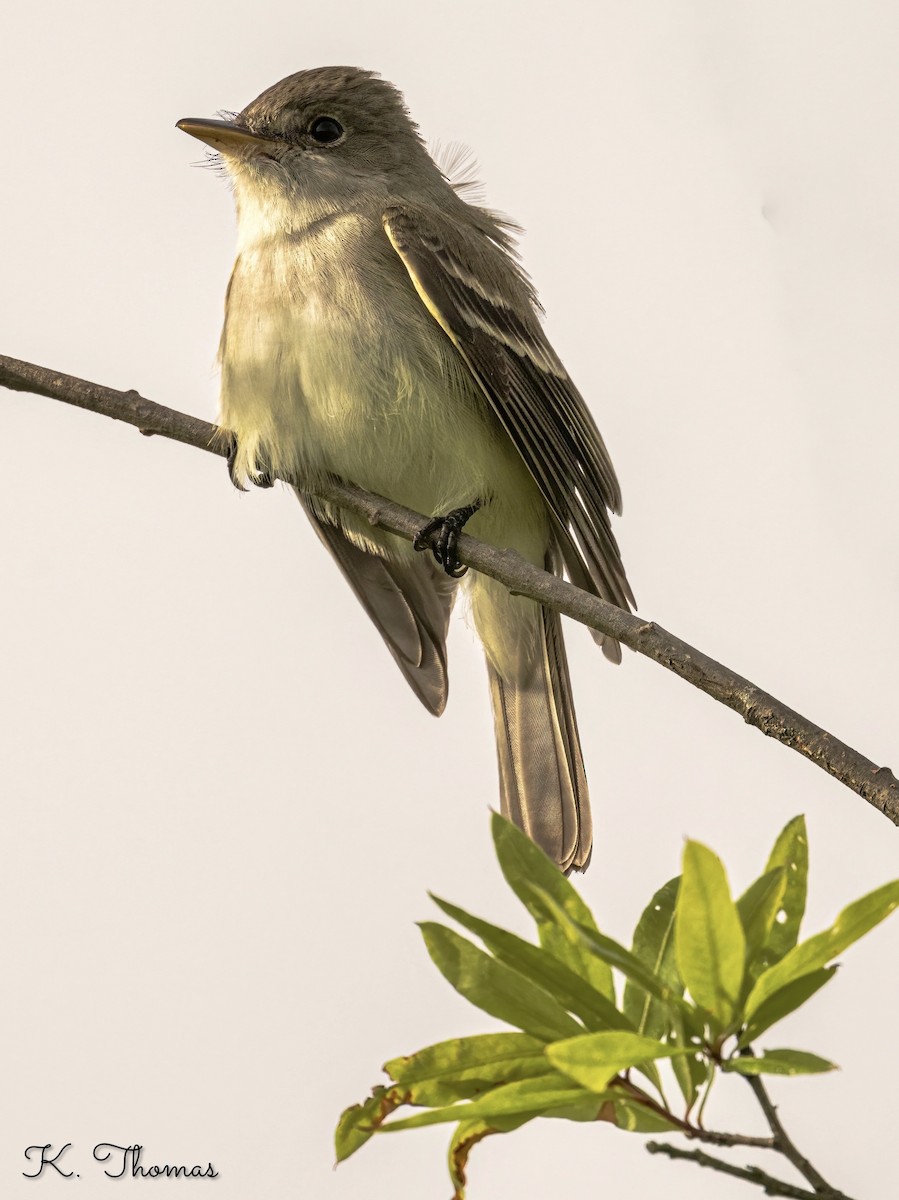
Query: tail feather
[[542, 782]]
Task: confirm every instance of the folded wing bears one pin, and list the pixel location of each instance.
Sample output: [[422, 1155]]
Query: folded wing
[[470, 284]]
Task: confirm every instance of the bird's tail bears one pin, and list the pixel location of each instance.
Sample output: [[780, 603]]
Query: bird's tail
[[542, 782]]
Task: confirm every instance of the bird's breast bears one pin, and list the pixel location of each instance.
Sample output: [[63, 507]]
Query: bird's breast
[[330, 363]]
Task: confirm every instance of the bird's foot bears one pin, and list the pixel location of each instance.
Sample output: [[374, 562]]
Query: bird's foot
[[261, 479], [443, 546]]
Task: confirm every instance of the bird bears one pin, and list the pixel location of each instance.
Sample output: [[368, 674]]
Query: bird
[[380, 329]]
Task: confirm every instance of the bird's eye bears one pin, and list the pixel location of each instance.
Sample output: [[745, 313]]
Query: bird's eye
[[325, 130]]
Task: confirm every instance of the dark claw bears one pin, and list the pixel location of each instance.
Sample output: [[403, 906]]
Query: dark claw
[[232, 462], [262, 479], [444, 546]]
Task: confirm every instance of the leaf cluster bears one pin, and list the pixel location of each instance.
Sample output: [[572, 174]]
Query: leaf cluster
[[706, 975]]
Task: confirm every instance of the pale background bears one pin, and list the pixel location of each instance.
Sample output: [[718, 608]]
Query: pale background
[[222, 805]]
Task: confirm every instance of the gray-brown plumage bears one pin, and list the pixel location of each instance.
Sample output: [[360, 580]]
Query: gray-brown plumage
[[379, 328]]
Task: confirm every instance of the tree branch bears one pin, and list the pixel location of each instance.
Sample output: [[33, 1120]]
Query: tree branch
[[783, 1143], [780, 1142], [875, 784], [771, 1186]]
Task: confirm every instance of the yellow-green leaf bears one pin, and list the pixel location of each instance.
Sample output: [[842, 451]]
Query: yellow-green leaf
[[496, 988], [463, 1067], [616, 955], [594, 1059], [360, 1121], [854, 922], [759, 907], [524, 866], [527, 1099], [572, 991], [790, 852], [782, 1003], [710, 943], [465, 1137], [690, 1070], [653, 945], [637, 1118], [780, 1062]]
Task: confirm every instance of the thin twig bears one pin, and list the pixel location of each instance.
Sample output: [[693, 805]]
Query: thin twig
[[770, 1185], [713, 1138], [783, 1143], [638, 1096], [875, 784]]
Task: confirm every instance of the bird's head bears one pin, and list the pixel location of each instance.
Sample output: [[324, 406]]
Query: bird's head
[[320, 139]]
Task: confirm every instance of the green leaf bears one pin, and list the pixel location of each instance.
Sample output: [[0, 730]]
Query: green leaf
[[654, 946], [582, 963], [783, 1002], [584, 1111], [690, 1070], [465, 1137], [463, 1067], [526, 1099], [616, 955], [524, 866], [637, 1118], [359, 1122], [853, 922], [780, 1062], [594, 1059], [708, 935], [450, 1058], [543, 968], [791, 852], [496, 988], [758, 907]]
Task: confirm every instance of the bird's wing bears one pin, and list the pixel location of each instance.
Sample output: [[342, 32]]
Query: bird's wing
[[409, 601], [510, 358]]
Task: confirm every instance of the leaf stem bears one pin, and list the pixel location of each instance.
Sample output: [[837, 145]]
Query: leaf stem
[[705, 1097]]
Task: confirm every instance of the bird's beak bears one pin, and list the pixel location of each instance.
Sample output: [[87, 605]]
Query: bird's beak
[[223, 136]]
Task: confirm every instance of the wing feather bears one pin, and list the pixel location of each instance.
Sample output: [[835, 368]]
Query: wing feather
[[408, 600], [488, 314]]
